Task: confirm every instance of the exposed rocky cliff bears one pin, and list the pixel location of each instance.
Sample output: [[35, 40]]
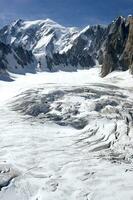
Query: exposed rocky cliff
[[127, 55], [117, 50]]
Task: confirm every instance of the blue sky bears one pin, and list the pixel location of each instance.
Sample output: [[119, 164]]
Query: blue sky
[[65, 12]]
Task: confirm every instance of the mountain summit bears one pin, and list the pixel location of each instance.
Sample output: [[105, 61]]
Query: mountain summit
[[53, 47]]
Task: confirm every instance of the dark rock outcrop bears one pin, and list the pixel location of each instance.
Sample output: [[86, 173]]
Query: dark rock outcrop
[[127, 55], [117, 51]]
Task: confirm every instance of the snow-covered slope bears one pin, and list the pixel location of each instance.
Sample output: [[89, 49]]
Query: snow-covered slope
[[67, 136]]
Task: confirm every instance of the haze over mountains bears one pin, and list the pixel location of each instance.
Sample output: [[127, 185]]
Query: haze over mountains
[[44, 45]]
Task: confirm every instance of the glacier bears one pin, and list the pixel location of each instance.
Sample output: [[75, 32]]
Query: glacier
[[66, 135]]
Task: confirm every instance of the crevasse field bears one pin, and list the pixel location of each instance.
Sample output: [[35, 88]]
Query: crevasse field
[[67, 136]]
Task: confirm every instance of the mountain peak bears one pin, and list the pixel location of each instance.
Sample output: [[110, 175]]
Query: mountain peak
[[17, 22], [48, 20]]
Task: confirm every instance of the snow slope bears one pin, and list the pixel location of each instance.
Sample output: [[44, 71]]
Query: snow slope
[[66, 136]]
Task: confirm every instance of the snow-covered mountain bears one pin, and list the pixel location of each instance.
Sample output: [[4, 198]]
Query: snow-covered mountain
[[38, 35], [52, 44], [43, 37], [57, 47]]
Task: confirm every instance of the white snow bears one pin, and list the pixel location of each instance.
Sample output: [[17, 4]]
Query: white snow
[[85, 29], [67, 162], [44, 33]]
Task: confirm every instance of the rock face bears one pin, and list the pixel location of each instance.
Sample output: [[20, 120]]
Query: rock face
[[56, 47], [127, 55], [117, 51]]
